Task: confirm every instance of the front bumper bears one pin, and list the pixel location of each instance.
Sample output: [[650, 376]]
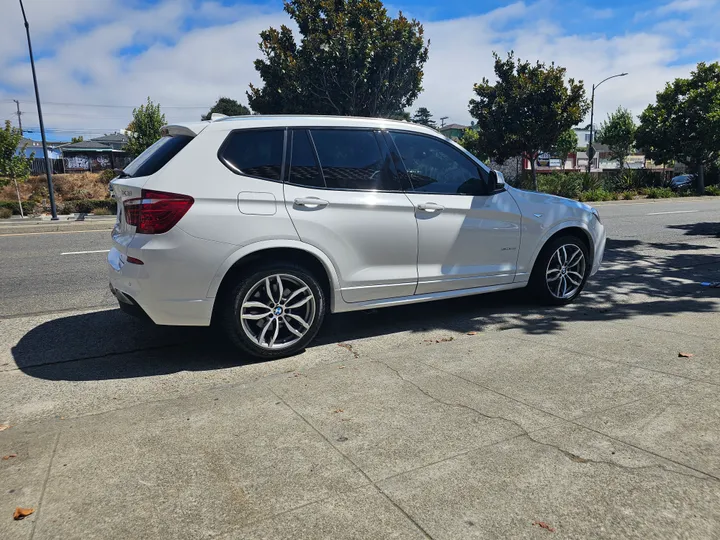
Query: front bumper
[[599, 241]]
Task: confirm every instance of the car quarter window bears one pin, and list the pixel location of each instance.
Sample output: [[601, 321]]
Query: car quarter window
[[436, 167], [352, 159], [255, 152], [304, 168]]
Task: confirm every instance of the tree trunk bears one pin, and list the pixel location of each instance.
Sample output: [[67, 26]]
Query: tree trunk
[[534, 176], [17, 190], [701, 179]]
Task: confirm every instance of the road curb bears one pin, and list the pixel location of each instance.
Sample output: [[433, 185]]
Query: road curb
[[45, 227], [705, 198]]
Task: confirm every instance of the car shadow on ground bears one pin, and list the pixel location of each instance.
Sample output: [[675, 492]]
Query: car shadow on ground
[[636, 279]]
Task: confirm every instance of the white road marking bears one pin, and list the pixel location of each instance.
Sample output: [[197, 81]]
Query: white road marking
[[83, 252], [673, 212]]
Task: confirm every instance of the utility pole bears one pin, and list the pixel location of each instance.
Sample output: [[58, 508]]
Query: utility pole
[[442, 121], [17, 103], [48, 170]]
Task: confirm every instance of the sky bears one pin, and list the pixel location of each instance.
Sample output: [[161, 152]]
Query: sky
[[97, 59]]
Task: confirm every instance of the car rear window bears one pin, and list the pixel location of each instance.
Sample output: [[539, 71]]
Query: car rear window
[[255, 152], [156, 156]]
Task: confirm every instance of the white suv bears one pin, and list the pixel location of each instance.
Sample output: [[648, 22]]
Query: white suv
[[264, 223]]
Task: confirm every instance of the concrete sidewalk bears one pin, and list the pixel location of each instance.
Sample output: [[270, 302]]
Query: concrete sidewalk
[[587, 431]]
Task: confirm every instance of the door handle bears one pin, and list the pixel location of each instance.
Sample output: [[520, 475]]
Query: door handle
[[430, 207], [311, 202]]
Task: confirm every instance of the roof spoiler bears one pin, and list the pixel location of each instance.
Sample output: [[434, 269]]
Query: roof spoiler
[[189, 130]]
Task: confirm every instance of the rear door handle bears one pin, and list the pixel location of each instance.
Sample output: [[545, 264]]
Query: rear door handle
[[430, 207], [311, 202]]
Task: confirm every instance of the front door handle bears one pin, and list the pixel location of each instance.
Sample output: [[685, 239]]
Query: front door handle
[[430, 207], [311, 202]]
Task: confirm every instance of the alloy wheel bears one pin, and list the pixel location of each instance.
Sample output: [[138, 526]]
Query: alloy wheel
[[566, 271], [278, 311]]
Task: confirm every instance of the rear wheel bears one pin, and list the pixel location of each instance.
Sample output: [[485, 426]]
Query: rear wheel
[[274, 311], [561, 271]]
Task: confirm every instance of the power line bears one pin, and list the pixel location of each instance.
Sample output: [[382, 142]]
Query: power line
[[123, 106]]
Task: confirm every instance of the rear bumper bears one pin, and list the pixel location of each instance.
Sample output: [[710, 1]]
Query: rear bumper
[[132, 287], [171, 287]]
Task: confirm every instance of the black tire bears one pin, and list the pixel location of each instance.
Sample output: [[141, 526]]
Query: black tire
[[538, 282], [231, 315]]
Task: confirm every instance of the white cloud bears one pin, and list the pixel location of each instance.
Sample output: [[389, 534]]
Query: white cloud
[[181, 67]]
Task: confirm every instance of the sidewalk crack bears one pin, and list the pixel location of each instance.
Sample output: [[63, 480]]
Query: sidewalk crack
[[525, 433], [42, 492]]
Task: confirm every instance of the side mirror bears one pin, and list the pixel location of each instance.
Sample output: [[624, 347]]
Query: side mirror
[[497, 181]]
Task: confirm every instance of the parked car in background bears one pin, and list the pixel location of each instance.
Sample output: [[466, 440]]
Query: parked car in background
[[682, 182], [264, 224]]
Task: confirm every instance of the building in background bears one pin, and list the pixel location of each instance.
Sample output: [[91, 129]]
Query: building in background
[[93, 155], [453, 131]]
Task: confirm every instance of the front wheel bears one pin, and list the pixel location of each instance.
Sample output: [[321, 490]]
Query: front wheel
[[561, 270], [275, 311]]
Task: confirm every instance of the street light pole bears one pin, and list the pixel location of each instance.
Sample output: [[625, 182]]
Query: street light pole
[[48, 171], [592, 118]]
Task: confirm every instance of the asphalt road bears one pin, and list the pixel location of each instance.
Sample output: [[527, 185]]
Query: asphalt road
[[42, 273]]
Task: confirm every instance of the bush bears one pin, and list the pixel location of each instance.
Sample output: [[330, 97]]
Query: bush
[[628, 195], [107, 175], [87, 206], [713, 191], [12, 206], [596, 195], [103, 212], [659, 193], [5, 213], [562, 184]]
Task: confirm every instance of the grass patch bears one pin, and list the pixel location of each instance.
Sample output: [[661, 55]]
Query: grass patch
[[660, 193], [596, 195]]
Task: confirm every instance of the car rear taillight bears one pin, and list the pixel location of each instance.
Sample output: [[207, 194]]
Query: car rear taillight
[[156, 212]]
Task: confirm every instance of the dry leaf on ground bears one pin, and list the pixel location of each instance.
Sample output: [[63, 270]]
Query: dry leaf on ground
[[685, 355], [9, 456], [21, 513], [3, 427], [544, 525], [471, 333]]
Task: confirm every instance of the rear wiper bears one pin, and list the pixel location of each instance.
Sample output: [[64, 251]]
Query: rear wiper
[[121, 173]]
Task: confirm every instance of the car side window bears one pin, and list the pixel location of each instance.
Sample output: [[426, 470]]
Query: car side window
[[255, 152], [352, 159], [437, 167], [304, 168]]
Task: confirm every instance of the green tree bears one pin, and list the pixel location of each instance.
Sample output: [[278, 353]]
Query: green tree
[[424, 117], [76, 139], [14, 165], [566, 144], [228, 107], [684, 122], [470, 141], [618, 133], [145, 128], [400, 115], [353, 59], [526, 110]]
